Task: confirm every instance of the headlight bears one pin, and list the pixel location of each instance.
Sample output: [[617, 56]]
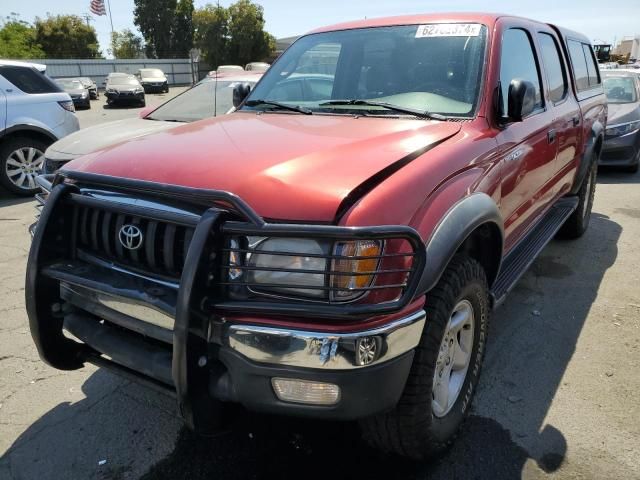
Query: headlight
[[317, 269], [622, 129], [277, 273], [111, 90], [138, 90]]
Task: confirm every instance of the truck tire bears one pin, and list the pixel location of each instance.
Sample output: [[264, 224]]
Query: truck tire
[[578, 222], [423, 424], [21, 161]]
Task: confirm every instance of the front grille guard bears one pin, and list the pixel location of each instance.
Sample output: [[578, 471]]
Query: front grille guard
[[196, 329], [236, 217]]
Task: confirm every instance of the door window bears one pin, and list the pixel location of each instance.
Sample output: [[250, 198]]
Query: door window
[[29, 80], [579, 62], [556, 74], [592, 67], [518, 62]]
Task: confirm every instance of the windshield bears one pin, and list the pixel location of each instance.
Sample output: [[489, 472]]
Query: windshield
[[114, 81], [620, 89], [199, 102], [70, 84], [151, 73], [435, 68]]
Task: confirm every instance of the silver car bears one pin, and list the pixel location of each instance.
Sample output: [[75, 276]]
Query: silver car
[[622, 137], [209, 98]]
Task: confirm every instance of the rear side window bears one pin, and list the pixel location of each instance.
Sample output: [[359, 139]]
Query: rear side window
[[579, 62], [518, 61], [592, 67], [556, 74], [29, 80]]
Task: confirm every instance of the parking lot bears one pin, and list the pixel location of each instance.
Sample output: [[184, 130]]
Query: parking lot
[[559, 397]]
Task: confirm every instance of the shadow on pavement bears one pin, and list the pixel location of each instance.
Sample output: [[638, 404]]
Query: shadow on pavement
[[531, 341], [612, 175], [8, 199]]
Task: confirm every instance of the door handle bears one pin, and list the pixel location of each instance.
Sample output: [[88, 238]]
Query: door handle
[[551, 136], [576, 121]]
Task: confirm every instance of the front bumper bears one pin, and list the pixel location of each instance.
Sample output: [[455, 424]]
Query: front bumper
[[82, 102], [125, 96], [154, 86], [621, 151], [161, 334]]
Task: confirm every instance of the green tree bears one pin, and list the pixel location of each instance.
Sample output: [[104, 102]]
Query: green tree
[[182, 34], [155, 19], [248, 41], [126, 44], [66, 36], [211, 33], [18, 40]]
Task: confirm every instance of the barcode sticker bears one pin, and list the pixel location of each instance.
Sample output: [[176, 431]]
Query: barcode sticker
[[448, 30]]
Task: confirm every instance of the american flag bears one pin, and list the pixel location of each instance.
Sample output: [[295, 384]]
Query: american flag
[[97, 7]]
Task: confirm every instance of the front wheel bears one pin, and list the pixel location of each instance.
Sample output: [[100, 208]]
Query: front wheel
[[21, 161], [445, 370]]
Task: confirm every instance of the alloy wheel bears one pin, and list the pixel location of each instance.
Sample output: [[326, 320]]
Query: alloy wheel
[[453, 360], [23, 166]]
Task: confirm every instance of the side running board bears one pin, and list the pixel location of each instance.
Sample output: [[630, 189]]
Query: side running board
[[524, 254]]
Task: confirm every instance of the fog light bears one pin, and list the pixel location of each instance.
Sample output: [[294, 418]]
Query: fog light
[[304, 391]]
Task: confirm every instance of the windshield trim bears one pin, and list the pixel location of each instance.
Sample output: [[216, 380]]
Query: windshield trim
[[483, 71]]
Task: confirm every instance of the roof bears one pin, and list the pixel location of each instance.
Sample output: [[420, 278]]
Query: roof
[[14, 63], [485, 18]]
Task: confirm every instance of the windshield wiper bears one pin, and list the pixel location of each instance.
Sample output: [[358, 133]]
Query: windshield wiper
[[284, 106], [390, 106]]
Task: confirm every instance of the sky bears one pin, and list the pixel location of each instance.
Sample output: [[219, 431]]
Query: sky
[[286, 18]]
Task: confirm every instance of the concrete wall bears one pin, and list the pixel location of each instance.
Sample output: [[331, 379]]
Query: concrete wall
[[177, 70]]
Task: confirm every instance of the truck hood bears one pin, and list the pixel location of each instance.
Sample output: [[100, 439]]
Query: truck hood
[[286, 166], [100, 136]]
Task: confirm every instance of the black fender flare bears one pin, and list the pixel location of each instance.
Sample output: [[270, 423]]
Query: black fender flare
[[596, 134], [455, 227], [27, 128]]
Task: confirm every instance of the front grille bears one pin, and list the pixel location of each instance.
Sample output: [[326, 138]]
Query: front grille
[[161, 250]]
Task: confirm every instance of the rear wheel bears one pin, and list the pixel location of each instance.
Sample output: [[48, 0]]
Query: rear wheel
[[578, 222], [445, 369], [21, 161]]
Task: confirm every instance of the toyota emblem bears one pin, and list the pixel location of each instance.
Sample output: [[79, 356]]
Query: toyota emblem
[[130, 237]]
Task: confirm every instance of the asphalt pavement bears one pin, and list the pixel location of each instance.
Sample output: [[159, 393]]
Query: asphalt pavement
[[559, 396]]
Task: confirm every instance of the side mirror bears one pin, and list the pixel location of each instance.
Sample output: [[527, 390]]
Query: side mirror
[[240, 92], [522, 99], [145, 111]]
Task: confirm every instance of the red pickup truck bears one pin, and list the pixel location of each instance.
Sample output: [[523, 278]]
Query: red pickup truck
[[333, 248]]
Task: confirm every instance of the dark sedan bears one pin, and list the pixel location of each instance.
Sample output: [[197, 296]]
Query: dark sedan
[[622, 137], [91, 86], [124, 89], [76, 90]]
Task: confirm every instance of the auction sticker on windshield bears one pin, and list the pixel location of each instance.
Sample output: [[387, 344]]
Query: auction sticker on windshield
[[449, 30]]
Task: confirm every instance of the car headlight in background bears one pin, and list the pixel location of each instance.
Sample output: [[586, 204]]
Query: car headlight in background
[[138, 90], [304, 267], [112, 90], [85, 94], [622, 128]]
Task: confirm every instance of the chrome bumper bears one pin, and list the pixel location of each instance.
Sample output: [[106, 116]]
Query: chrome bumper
[[339, 351]]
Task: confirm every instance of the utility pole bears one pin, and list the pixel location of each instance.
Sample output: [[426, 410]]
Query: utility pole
[[87, 18]]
